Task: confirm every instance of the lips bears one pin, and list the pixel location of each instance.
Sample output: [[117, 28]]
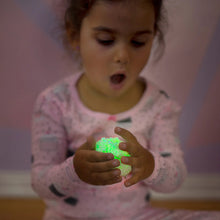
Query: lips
[[117, 78]]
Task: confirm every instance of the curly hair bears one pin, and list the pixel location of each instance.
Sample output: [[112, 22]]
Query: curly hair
[[77, 10]]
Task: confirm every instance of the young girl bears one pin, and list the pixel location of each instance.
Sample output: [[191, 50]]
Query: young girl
[[106, 98]]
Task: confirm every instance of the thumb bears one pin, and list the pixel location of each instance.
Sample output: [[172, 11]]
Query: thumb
[[89, 144]]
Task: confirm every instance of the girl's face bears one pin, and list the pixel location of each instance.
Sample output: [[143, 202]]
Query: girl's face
[[116, 38]]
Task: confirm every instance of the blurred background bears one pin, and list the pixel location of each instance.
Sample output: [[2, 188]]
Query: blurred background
[[32, 57]]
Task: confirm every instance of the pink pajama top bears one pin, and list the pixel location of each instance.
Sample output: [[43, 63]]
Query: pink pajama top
[[61, 124]]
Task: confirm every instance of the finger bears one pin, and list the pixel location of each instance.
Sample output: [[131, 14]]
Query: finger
[[109, 182], [108, 177], [94, 156], [132, 180], [89, 144], [127, 135], [104, 166], [128, 160], [131, 148], [117, 179]]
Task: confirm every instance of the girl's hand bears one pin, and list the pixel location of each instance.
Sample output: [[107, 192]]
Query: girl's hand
[[141, 160], [94, 167]]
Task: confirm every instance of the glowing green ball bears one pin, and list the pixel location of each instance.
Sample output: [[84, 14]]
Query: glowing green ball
[[110, 145]]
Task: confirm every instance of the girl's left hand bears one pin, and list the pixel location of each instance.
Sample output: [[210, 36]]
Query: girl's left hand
[[141, 160]]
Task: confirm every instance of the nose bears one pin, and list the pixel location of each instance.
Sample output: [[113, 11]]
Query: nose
[[121, 55]]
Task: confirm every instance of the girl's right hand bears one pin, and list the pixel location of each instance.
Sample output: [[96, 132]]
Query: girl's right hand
[[94, 167]]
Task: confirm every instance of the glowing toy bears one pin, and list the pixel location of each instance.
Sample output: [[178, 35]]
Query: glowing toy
[[110, 145]]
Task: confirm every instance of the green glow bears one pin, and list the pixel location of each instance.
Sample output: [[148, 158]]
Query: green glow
[[110, 145]]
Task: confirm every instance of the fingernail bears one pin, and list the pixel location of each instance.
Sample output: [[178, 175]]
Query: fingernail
[[115, 163], [110, 157], [117, 172], [123, 145], [124, 159], [118, 129]]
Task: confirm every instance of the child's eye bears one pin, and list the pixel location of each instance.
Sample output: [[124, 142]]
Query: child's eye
[[138, 43], [105, 42]]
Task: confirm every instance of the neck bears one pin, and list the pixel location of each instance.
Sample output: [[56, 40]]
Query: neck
[[96, 101]]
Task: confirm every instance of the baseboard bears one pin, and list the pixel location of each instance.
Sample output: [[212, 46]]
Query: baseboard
[[195, 187], [16, 184]]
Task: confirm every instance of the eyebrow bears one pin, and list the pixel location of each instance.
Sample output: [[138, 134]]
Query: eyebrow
[[112, 31]]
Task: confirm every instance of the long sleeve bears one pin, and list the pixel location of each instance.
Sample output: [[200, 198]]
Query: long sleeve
[[170, 170], [53, 175]]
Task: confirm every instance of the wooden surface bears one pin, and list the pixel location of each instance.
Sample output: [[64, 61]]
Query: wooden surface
[[191, 205], [32, 209], [21, 209]]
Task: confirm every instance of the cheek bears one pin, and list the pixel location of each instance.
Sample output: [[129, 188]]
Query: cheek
[[142, 60], [144, 56], [93, 55]]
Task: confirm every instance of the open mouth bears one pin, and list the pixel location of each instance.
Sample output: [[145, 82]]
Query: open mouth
[[117, 78]]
